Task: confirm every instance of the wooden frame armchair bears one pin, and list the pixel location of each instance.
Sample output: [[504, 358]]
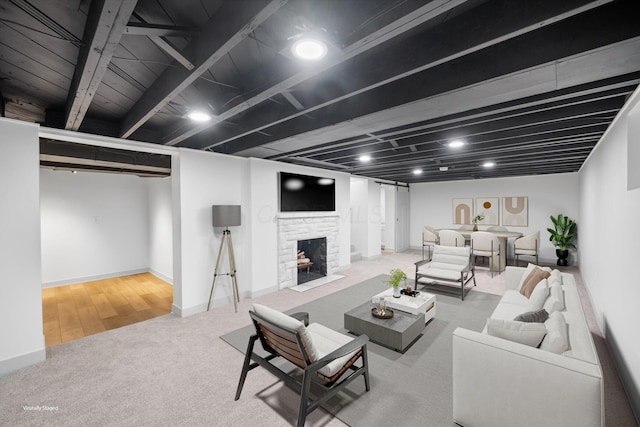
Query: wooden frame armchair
[[323, 355]]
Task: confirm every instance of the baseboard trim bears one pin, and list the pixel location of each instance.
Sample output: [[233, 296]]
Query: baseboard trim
[[75, 280], [22, 361], [161, 276]]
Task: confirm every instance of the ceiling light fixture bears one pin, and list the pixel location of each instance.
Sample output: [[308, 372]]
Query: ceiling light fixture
[[199, 116], [488, 164], [457, 143], [364, 158], [417, 171], [309, 49], [444, 168]]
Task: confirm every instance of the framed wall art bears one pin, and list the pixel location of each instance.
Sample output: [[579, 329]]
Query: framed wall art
[[490, 208], [462, 211], [515, 211]]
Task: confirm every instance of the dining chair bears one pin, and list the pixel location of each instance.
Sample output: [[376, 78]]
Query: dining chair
[[527, 245], [451, 238], [429, 239], [486, 244], [497, 228]]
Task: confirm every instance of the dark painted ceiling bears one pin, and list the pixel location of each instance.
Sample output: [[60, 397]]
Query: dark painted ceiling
[[530, 85]]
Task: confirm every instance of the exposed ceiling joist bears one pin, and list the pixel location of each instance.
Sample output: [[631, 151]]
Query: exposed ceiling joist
[[419, 16], [151, 30], [105, 25], [495, 34], [228, 27]]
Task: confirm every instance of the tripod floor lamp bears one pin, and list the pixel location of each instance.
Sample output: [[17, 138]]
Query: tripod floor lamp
[[226, 216]]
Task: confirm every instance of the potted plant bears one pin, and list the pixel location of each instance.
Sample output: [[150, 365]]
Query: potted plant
[[563, 231], [475, 221], [397, 276]]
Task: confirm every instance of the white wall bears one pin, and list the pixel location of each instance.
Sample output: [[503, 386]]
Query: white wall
[[262, 192], [21, 337], [202, 179], [431, 204], [160, 228], [389, 210], [609, 233], [374, 219], [94, 226], [366, 216]]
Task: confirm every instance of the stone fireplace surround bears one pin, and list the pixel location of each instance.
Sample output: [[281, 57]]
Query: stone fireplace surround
[[300, 226]]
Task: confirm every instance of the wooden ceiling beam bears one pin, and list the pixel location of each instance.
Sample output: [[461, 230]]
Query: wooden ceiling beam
[[421, 15], [372, 74], [228, 27], [105, 25]]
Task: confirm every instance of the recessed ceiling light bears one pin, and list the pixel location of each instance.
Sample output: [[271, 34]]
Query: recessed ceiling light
[[364, 158], [309, 49], [456, 143], [444, 168], [488, 164], [199, 116], [417, 171]]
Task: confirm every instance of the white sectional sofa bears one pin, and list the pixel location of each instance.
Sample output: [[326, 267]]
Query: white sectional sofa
[[500, 382]]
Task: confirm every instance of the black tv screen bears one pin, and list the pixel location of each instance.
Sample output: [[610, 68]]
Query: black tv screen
[[304, 193]]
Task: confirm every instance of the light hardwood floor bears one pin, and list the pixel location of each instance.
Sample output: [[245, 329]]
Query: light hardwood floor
[[75, 311]]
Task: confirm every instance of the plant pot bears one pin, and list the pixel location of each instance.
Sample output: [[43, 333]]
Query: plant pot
[[475, 227], [396, 292], [562, 256]]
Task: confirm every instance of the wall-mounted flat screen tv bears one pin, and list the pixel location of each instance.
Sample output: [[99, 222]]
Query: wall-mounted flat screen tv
[[304, 193]]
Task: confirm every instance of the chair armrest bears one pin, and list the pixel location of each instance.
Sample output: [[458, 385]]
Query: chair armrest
[[467, 269], [421, 263], [349, 347], [302, 316]]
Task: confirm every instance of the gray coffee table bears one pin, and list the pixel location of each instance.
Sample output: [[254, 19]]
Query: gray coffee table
[[396, 333]]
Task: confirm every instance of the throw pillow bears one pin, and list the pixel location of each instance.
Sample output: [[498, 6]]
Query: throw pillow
[[530, 334], [556, 340], [539, 295], [538, 316], [525, 274], [284, 320], [532, 280]]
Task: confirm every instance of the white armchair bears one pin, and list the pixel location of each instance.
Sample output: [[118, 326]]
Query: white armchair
[[527, 245], [429, 239], [486, 244], [451, 238]]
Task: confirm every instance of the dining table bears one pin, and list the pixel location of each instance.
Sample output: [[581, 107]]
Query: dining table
[[503, 236]]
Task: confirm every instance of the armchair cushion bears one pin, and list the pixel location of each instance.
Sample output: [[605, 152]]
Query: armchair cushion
[[327, 340], [280, 319]]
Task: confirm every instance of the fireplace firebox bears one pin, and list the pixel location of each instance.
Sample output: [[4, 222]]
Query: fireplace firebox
[[311, 259]]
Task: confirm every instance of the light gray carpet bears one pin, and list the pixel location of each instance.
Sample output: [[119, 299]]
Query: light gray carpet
[[407, 389]]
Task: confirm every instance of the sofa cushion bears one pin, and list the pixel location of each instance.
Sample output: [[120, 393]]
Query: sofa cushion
[[530, 334], [532, 281], [279, 318], [539, 295], [556, 340], [555, 302], [537, 316], [511, 296]]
